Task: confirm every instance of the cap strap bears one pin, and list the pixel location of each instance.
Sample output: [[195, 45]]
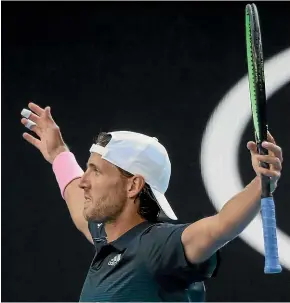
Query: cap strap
[[98, 149]]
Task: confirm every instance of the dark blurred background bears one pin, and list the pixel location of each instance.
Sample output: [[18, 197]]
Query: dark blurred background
[[159, 68]]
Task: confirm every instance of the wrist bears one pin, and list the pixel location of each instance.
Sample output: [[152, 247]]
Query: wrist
[[61, 149], [255, 187], [258, 183], [66, 169], [273, 183]]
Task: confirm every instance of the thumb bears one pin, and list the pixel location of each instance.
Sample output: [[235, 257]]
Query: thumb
[[252, 147]]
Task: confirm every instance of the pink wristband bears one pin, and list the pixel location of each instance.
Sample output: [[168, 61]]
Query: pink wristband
[[66, 169]]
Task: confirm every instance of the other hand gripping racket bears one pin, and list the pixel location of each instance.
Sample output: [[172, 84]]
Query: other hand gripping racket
[[259, 114]]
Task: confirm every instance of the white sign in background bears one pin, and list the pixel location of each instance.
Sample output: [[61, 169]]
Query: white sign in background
[[220, 144]]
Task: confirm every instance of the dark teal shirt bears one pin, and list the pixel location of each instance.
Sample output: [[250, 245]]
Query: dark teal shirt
[[146, 264]]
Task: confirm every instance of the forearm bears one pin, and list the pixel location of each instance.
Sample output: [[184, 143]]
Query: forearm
[[204, 237], [68, 174], [74, 198], [238, 212]]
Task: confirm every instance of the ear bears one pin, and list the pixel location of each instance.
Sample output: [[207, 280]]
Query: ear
[[135, 185]]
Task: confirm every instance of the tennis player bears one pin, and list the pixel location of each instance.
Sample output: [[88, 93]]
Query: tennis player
[[115, 203]]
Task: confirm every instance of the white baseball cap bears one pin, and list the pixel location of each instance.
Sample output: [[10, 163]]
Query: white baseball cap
[[140, 154]]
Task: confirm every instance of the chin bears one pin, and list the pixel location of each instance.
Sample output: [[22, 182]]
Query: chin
[[90, 215]]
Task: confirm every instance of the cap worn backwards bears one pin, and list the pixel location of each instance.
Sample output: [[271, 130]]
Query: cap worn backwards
[[140, 154]]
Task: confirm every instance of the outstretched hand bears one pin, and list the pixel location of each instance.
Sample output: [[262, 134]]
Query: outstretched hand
[[49, 141]]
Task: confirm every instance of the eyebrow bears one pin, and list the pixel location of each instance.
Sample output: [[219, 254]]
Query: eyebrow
[[93, 166]]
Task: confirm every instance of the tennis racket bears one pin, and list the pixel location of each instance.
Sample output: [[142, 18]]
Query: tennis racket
[[259, 115]]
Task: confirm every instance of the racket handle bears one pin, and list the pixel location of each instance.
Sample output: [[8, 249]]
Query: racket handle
[[272, 264]]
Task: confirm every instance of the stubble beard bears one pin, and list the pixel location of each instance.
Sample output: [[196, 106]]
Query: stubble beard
[[104, 210]]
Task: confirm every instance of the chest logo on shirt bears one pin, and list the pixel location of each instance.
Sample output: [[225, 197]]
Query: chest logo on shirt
[[115, 260]]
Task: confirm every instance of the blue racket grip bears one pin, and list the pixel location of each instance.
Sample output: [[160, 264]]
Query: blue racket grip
[[272, 264]]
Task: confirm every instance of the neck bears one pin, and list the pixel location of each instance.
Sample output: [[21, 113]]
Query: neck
[[124, 222]]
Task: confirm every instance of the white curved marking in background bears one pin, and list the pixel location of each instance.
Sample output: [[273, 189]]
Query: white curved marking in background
[[220, 144]]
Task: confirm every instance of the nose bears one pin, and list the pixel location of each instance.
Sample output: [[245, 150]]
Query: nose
[[84, 181]]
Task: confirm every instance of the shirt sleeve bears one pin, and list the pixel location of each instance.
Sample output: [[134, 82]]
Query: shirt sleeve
[[166, 256]]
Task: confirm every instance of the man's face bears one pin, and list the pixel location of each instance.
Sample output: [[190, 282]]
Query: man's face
[[104, 190]]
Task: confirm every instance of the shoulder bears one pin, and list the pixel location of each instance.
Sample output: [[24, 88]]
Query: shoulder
[[166, 227], [162, 232], [165, 254]]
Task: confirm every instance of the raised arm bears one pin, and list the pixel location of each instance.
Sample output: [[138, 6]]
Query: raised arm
[[51, 145], [203, 238]]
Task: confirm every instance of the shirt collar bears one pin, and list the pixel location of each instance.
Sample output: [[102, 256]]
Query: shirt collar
[[123, 241]]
